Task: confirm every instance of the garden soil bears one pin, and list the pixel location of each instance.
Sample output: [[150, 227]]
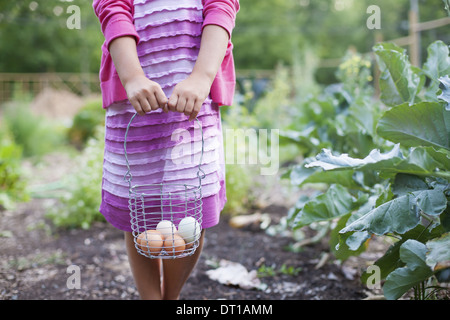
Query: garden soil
[[38, 261]]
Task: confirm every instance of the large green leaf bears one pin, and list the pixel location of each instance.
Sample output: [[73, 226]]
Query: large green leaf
[[398, 282], [438, 255], [366, 112], [428, 159], [351, 243], [398, 215], [335, 202], [444, 85], [328, 161], [301, 175], [423, 124], [432, 202], [441, 156], [420, 161], [436, 67], [306, 137], [399, 81], [391, 258], [438, 61], [406, 183]]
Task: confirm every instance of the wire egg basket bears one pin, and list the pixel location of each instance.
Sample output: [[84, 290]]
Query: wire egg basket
[[166, 218]]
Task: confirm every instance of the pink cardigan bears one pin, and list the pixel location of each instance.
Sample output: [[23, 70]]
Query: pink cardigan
[[116, 19]]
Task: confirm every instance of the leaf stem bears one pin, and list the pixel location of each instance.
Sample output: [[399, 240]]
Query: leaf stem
[[444, 174]]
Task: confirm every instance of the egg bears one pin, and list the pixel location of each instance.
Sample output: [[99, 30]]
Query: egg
[[166, 228], [150, 241], [174, 244], [189, 229]]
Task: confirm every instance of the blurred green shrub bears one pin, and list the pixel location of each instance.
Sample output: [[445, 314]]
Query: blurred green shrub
[[12, 182], [274, 108], [238, 177], [239, 182], [80, 200], [85, 123], [35, 134]]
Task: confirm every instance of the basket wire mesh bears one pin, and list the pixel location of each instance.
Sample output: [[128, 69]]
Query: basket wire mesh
[[166, 218]]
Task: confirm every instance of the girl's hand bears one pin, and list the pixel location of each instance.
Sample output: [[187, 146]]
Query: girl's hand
[[145, 95], [188, 95]]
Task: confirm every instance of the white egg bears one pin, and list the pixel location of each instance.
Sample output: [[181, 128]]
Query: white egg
[[189, 229], [166, 227]]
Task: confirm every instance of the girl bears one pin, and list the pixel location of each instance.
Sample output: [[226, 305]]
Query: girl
[[171, 62]]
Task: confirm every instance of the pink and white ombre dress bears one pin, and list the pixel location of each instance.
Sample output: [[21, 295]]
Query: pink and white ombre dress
[[170, 34]]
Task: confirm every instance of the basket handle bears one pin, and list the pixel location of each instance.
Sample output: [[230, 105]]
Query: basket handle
[[128, 177]]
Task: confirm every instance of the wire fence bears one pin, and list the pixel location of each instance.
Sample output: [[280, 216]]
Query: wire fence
[[34, 83]]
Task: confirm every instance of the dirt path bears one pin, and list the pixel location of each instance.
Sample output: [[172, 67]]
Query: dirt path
[[36, 259], [35, 265]]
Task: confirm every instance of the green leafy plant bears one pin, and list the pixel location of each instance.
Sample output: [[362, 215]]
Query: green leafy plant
[[80, 197], [401, 188], [12, 181], [238, 177], [35, 134], [266, 271], [342, 117], [85, 123], [272, 271]]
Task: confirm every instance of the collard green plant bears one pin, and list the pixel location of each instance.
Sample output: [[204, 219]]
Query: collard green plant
[[343, 117], [401, 188]]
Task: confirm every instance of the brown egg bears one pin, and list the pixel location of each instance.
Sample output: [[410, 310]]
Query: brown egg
[[150, 241], [174, 244], [189, 244]]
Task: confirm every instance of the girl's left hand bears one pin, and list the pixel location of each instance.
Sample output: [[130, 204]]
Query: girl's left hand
[[188, 95]]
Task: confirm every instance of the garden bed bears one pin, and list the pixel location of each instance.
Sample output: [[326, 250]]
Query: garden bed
[[35, 259], [34, 264]]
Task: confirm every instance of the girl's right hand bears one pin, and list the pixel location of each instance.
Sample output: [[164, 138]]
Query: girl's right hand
[[144, 94]]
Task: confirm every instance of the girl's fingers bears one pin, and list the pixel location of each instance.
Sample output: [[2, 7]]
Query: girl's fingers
[[189, 107], [161, 98], [153, 102], [196, 110], [137, 106], [145, 105], [181, 104], [172, 103]]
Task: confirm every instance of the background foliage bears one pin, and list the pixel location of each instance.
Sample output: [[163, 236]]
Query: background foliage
[[267, 32]]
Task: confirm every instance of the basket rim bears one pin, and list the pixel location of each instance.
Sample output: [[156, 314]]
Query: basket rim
[[198, 206], [187, 188]]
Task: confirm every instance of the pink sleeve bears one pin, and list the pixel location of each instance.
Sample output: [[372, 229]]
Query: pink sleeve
[[221, 13], [116, 19]]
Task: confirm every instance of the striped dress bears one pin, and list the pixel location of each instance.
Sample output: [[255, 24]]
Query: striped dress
[[170, 34]]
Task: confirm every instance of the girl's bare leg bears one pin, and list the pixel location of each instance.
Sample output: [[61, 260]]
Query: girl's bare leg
[[146, 272], [177, 271]]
